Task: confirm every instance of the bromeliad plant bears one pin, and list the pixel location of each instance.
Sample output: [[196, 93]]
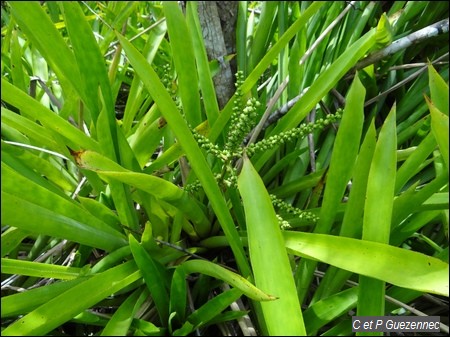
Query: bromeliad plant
[[131, 202]]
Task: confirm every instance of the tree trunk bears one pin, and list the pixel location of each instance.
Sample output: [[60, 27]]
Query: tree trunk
[[218, 21]]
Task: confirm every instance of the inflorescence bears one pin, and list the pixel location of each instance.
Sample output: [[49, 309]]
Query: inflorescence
[[243, 119], [283, 206], [292, 134]]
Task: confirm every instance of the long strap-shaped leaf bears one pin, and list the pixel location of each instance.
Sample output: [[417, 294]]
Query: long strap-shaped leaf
[[31, 268], [324, 83], [155, 186], [90, 60], [183, 58], [351, 226], [398, 266], [261, 67], [213, 307], [343, 159], [185, 138], [439, 127], [70, 303], [378, 211], [156, 277], [236, 280], [268, 256], [52, 214], [41, 31], [209, 310], [25, 302], [204, 74], [122, 319], [32, 108], [224, 116]]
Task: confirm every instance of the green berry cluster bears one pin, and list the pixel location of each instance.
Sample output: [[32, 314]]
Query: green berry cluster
[[206, 144], [193, 187], [231, 181], [170, 84], [304, 215], [166, 79], [283, 223], [292, 134], [232, 177], [242, 119]]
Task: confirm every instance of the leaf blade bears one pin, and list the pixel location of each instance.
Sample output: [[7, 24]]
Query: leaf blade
[[268, 256], [401, 267]]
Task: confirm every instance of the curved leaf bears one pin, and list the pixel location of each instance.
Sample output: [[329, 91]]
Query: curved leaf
[[158, 187], [56, 311], [219, 272], [190, 147], [401, 267]]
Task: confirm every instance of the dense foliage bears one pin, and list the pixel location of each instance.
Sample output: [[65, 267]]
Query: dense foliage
[[134, 203]]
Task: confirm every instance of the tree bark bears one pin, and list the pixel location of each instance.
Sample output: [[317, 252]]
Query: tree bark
[[218, 20]]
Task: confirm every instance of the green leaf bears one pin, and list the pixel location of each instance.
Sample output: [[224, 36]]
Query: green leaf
[[178, 294], [24, 302], [52, 169], [11, 238], [30, 268], [204, 75], [17, 72], [268, 256], [57, 216], [190, 147], [323, 84], [120, 322], [343, 158], [262, 34], [183, 58], [440, 129], [137, 94], [147, 136], [165, 190], [381, 184], [438, 90], [219, 272], [101, 211], [156, 278], [13, 156], [328, 309], [351, 226], [345, 150], [378, 211], [398, 266], [158, 187], [81, 296], [90, 62], [41, 31], [384, 33], [412, 164], [31, 108], [208, 311]]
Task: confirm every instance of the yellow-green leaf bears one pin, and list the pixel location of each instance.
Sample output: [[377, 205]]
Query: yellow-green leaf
[[268, 256], [398, 266]]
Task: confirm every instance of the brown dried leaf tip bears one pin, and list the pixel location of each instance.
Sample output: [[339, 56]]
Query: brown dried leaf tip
[[76, 155]]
